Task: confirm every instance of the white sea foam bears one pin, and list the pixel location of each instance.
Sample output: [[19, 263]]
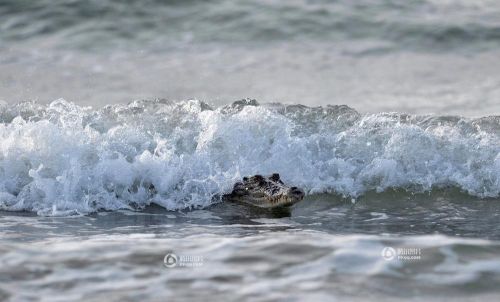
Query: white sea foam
[[61, 158]]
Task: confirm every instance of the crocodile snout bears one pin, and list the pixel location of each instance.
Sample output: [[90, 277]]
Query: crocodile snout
[[296, 192]]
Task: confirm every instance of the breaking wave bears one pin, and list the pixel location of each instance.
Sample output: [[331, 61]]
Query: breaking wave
[[63, 159]]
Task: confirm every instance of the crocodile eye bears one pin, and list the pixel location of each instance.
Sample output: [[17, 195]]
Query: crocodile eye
[[258, 177], [275, 177]]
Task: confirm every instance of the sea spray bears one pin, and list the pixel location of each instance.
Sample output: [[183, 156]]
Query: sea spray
[[62, 158]]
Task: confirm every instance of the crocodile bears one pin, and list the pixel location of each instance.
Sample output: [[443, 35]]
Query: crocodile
[[264, 192]]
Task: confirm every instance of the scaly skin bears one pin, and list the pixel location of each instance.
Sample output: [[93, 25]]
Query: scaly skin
[[265, 192]]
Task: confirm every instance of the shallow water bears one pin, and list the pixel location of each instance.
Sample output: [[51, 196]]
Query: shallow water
[[84, 191], [70, 177], [328, 247]]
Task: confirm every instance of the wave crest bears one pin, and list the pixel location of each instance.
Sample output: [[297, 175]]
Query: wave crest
[[63, 158]]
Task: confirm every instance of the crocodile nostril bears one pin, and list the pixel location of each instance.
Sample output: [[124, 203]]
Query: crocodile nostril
[[296, 191]]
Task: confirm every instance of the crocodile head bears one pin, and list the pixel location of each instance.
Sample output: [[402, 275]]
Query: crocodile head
[[265, 192]]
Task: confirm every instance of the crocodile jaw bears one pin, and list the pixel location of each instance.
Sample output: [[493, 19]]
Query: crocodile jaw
[[268, 202]]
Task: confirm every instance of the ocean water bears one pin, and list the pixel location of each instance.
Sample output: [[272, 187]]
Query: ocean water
[[385, 113], [419, 57]]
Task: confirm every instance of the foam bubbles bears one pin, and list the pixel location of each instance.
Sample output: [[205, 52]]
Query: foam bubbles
[[63, 158]]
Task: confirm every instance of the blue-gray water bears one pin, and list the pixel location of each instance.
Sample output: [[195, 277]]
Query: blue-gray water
[[413, 56], [78, 223], [327, 249]]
